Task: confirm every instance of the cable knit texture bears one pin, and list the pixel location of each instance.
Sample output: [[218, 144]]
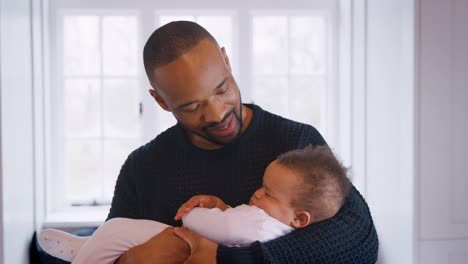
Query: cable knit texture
[[160, 176]]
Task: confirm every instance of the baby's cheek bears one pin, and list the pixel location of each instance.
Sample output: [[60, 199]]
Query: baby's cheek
[[273, 211]]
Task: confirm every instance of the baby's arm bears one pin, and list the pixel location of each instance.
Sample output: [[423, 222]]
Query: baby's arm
[[110, 240], [203, 201], [241, 225]]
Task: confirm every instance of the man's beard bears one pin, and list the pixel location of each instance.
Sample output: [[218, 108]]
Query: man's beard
[[213, 140]]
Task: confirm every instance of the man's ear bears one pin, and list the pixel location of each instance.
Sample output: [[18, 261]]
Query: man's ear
[[159, 100], [302, 219], [226, 59]]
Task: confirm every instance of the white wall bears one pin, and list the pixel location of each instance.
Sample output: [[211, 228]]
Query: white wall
[[380, 116], [415, 125], [17, 164], [442, 132], [390, 126]]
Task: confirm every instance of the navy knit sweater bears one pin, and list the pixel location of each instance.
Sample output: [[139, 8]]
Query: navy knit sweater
[[160, 176]]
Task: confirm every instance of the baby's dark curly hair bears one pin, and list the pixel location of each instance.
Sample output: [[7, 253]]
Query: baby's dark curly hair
[[325, 184]]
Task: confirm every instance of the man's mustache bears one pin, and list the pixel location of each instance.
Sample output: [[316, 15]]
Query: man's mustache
[[214, 124]]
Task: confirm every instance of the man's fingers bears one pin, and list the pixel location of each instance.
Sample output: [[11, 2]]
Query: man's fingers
[[169, 229], [188, 236], [202, 250]]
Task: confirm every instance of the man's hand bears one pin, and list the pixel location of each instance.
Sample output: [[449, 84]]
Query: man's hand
[[202, 250], [206, 201], [163, 248]]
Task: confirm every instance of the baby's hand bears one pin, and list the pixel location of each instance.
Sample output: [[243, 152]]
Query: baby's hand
[[205, 201]]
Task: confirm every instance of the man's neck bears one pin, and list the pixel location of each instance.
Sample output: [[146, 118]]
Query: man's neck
[[247, 115]]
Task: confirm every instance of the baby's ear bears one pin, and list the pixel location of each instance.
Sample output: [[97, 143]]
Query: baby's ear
[[302, 219]]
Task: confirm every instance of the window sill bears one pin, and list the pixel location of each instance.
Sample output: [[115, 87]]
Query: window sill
[[77, 217]]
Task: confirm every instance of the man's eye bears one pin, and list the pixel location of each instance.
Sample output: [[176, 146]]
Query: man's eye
[[224, 89], [191, 108]]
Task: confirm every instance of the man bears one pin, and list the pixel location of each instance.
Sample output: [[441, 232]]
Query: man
[[220, 147]]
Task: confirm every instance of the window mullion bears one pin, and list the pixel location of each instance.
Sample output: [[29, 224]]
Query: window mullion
[[288, 75], [101, 110], [245, 53]]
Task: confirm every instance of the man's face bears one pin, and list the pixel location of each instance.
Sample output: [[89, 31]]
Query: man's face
[[199, 89]]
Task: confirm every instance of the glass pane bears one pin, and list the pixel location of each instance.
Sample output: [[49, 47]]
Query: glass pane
[[305, 99], [307, 45], [115, 154], [272, 94], [166, 19], [82, 108], [119, 40], [164, 120], [81, 45], [270, 40], [83, 171], [221, 29], [121, 116]]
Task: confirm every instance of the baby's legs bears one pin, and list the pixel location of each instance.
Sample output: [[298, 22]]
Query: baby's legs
[[116, 237], [60, 244]]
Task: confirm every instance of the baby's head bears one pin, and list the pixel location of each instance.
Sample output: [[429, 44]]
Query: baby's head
[[303, 186]]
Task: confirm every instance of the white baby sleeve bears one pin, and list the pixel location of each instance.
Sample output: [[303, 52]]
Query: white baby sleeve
[[241, 225]]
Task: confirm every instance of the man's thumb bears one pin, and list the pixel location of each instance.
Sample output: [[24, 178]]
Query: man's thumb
[[187, 235]]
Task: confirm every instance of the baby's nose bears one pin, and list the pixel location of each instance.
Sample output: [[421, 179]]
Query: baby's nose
[[258, 194]]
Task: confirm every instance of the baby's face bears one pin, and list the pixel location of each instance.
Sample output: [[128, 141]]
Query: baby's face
[[276, 194]]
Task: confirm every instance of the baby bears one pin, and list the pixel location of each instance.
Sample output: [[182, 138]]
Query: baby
[[300, 187]]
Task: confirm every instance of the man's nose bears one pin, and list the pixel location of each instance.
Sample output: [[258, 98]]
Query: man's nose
[[214, 111]]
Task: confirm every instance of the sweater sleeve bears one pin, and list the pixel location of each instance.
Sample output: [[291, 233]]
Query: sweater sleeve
[[348, 237], [125, 200]]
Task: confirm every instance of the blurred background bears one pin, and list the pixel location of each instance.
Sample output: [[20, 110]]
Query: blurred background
[[383, 81]]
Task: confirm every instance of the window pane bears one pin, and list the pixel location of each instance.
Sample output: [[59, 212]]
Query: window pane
[[83, 169], [272, 94], [164, 120], [121, 108], [119, 39], [166, 19], [305, 99], [307, 45], [270, 50], [82, 108], [115, 154], [81, 45], [221, 29]]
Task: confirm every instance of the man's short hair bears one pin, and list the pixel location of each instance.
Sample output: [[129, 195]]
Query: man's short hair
[[325, 184], [171, 41]]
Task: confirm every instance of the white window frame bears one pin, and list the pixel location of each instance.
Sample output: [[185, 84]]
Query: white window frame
[[57, 207], [147, 12], [328, 110], [210, 12]]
